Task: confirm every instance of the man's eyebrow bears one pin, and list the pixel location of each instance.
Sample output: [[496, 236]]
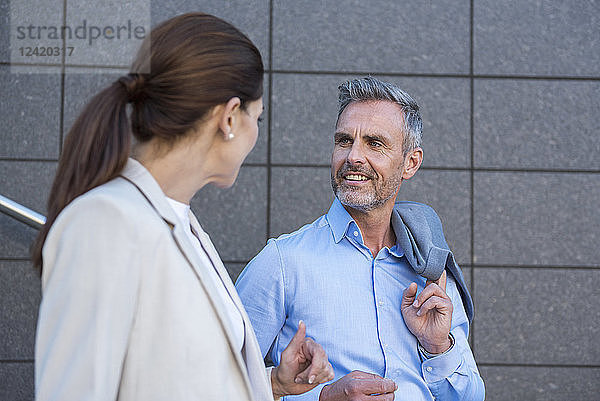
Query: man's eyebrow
[[376, 137], [341, 134]]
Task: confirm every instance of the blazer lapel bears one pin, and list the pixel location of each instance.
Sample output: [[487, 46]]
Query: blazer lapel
[[143, 180], [251, 350]]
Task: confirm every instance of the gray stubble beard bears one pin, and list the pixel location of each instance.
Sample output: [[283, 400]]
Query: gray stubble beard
[[346, 197]]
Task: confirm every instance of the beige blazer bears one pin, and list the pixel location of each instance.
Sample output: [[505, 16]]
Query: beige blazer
[[128, 311]]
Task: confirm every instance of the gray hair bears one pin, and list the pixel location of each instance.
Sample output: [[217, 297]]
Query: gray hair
[[370, 88]]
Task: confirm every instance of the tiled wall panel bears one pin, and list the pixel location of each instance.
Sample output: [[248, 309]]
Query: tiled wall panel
[[298, 196], [28, 183], [553, 37], [537, 316], [235, 218], [537, 124], [532, 383], [17, 381], [19, 300], [525, 218], [374, 36], [30, 107]]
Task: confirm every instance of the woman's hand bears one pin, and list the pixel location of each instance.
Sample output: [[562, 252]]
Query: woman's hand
[[303, 366]]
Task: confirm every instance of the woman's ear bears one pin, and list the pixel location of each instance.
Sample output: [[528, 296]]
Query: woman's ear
[[227, 117]]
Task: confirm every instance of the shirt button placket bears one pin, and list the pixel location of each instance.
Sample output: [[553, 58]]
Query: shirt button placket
[[380, 315]]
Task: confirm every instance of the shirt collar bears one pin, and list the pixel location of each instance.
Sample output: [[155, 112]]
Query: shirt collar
[[340, 222], [339, 219]]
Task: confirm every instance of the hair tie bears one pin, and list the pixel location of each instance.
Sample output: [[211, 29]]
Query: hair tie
[[133, 84]]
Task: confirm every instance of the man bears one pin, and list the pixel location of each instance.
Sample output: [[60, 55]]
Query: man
[[374, 281]]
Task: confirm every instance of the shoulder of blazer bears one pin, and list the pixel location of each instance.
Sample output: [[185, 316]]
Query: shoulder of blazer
[[118, 202]]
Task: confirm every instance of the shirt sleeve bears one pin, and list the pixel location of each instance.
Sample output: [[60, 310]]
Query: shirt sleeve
[[90, 287], [453, 375], [261, 288]]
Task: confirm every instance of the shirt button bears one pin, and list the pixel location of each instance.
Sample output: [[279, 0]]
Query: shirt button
[[381, 303], [355, 233], [429, 368]]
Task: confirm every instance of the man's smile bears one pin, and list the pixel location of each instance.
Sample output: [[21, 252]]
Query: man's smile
[[356, 177]]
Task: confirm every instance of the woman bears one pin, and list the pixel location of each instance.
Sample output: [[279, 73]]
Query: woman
[[136, 302]]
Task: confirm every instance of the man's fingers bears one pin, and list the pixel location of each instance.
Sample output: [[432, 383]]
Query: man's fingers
[[441, 304], [385, 386], [440, 281], [327, 375], [322, 374], [431, 290], [302, 377], [369, 386], [315, 375], [409, 294], [359, 374], [382, 397], [319, 368], [379, 386]]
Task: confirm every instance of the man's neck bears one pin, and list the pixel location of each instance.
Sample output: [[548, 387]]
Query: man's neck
[[375, 226]]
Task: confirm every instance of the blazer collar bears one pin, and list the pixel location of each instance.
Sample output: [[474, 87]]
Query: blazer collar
[[137, 174]]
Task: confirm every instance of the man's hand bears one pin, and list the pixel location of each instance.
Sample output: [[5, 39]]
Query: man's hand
[[429, 315], [304, 365], [359, 386]]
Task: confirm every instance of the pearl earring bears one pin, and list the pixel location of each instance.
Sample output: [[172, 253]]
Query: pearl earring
[[230, 136]]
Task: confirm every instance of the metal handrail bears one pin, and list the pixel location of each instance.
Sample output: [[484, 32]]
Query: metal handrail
[[21, 213]]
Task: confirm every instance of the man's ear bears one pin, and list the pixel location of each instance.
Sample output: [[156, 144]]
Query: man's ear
[[228, 114], [412, 162]]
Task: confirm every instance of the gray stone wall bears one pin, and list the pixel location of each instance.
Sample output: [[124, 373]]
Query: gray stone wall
[[510, 93]]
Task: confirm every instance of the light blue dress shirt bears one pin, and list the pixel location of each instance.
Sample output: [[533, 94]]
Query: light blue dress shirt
[[324, 275]]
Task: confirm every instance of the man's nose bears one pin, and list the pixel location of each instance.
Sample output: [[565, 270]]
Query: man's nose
[[356, 155]]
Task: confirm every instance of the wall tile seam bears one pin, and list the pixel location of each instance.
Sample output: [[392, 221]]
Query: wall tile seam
[[539, 266], [472, 283], [462, 265], [269, 183], [24, 159], [341, 73], [320, 165], [440, 75], [441, 168], [533, 365]]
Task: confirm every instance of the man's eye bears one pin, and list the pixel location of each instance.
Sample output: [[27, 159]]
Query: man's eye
[[342, 141], [375, 144]]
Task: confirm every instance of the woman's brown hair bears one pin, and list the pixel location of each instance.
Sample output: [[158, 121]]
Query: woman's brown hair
[[194, 61]]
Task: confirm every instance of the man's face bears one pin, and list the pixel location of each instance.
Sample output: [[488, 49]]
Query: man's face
[[367, 163]]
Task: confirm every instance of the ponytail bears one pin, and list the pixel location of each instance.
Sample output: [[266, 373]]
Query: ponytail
[[95, 151], [196, 62]]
